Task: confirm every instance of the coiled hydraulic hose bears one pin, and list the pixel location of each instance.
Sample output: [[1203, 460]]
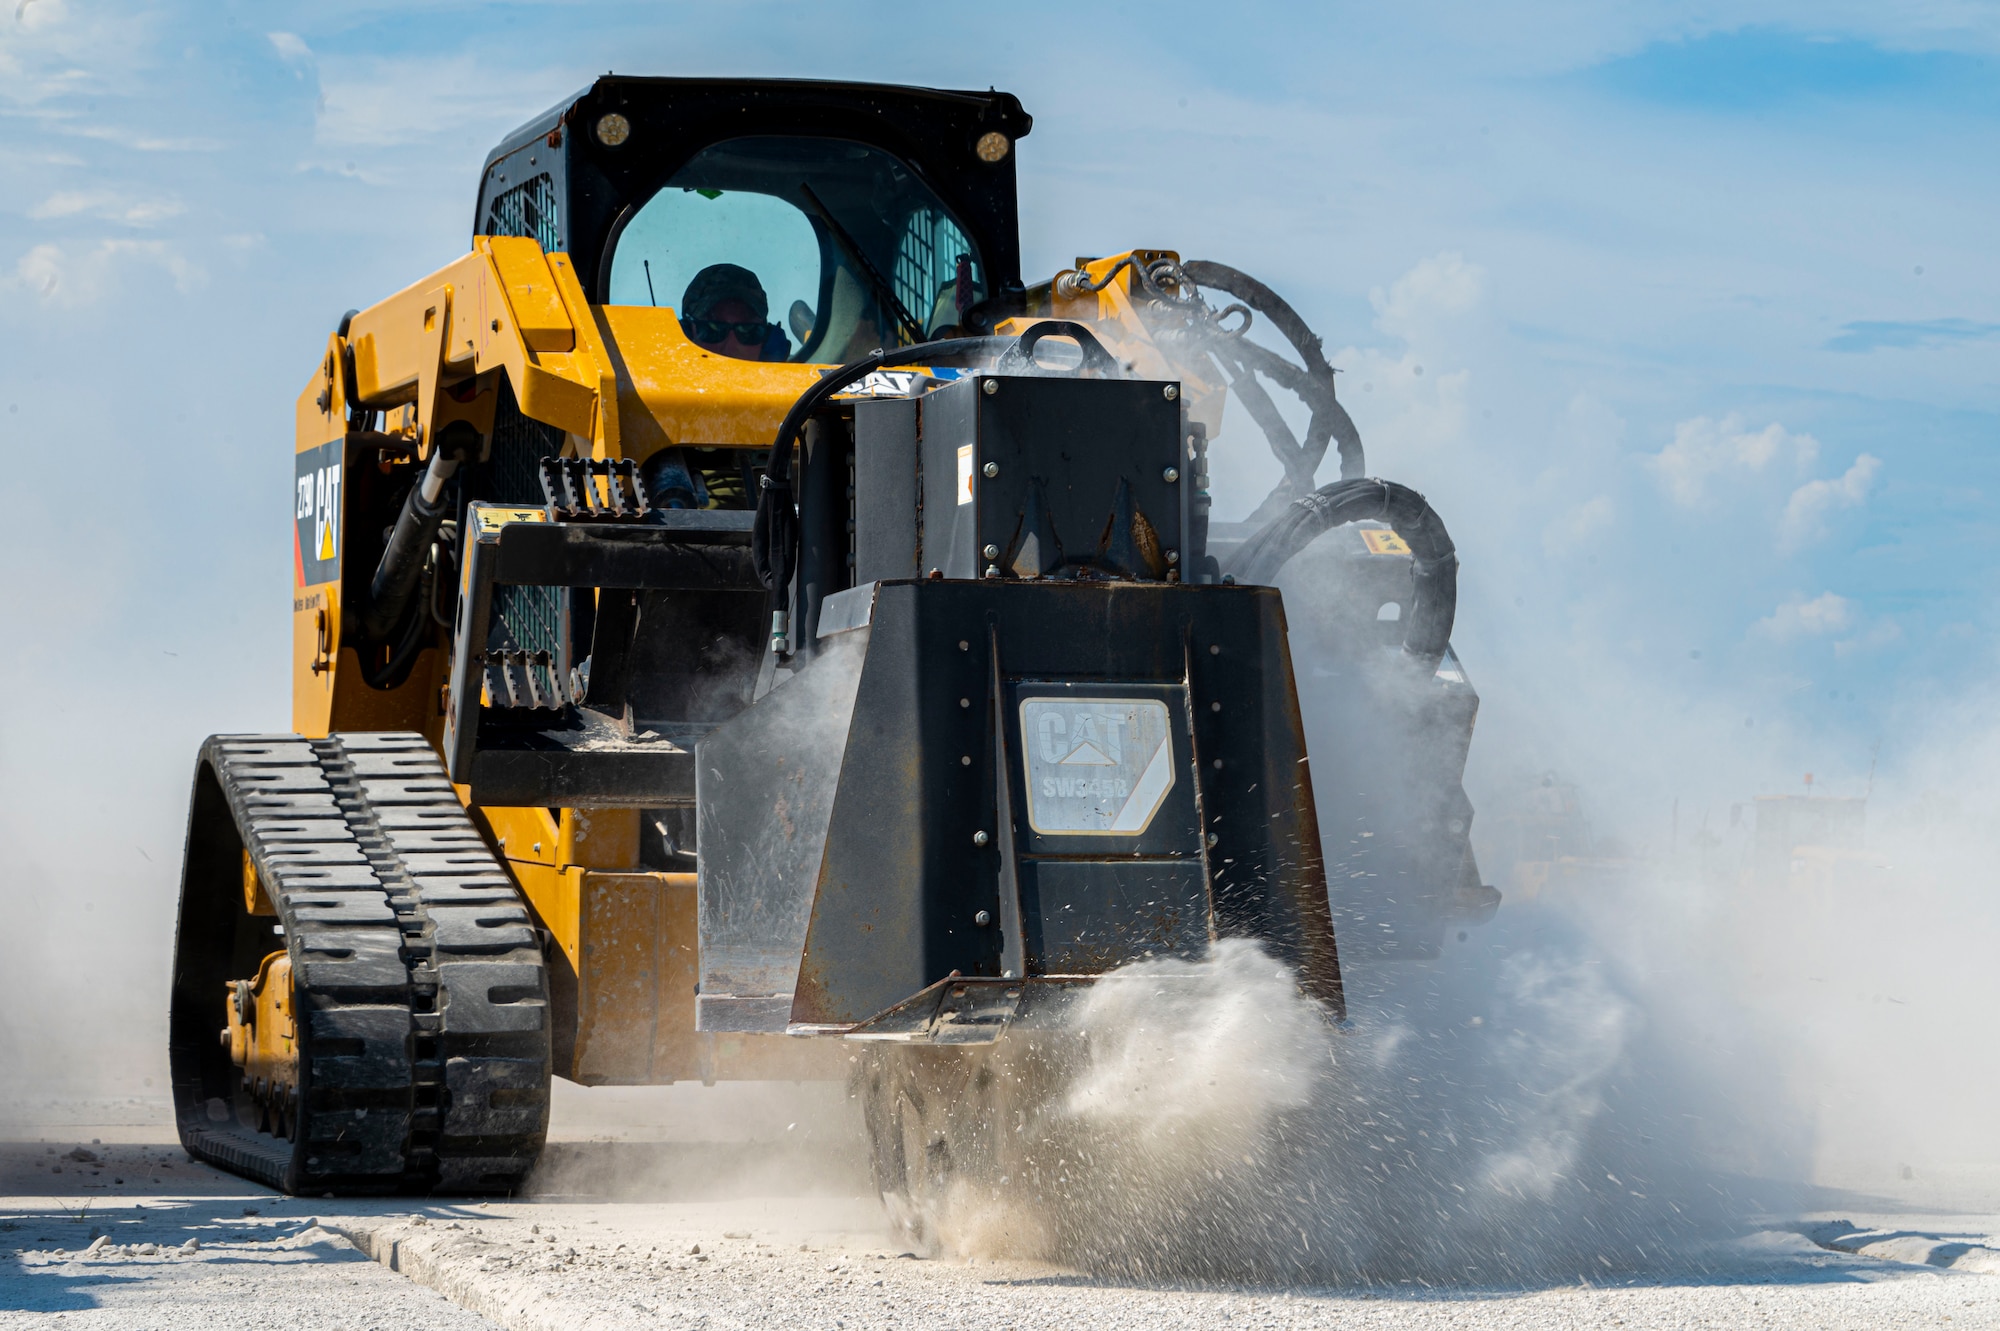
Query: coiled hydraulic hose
[[1409, 514], [1313, 383]]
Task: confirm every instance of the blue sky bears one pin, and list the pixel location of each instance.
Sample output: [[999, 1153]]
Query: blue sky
[[1685, 317]]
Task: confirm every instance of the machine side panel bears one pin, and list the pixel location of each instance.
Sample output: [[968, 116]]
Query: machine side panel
[[620, 985], [1270, 882], [915, 789], [885, 489], [947, 470], [764, 792], [1085, 917], [636, 996], [318, 470], [1079, 440], [1037, 467]]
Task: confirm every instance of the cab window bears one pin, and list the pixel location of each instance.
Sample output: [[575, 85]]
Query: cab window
[[824, 249]]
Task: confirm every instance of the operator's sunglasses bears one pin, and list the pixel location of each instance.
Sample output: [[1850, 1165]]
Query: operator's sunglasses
[[710, 331]]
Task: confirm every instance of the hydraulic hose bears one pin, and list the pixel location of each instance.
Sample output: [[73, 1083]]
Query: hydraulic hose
[[774, 533], [391, 673], [1409, 514], [409, 544]]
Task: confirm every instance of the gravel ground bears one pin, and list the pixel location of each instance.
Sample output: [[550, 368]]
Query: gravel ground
[[757, 1238], [584, 1266], [139, 1238]]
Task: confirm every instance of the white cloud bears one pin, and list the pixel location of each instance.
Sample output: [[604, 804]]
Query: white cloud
[[1414, 405], [1800, 618], [1579, 524], [290, 47], [59, 276], [1705, 448], [146, 143], [1594, 428], [47, 52], [1406, 408], [40, 270], [1806, 512], [394, 101], [1440, 290], [1884, 633], [105, 204], [58, 121], [34, 14]]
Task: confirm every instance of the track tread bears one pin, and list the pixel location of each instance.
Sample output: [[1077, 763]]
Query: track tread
[[415, 965]]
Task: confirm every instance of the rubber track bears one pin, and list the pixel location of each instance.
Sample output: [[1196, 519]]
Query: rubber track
[[414, 964]]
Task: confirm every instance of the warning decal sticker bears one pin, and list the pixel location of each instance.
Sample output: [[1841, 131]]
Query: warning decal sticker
[[316, 533], [492, 517], [1383, 542], [1095, 766]]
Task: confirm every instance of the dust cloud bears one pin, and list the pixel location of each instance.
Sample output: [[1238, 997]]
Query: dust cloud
[[1653, 1051], [688, 1142], [1509, 1114], [1180, 1047]]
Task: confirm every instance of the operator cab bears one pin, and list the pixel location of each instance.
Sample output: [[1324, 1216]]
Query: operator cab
[[866, 216]]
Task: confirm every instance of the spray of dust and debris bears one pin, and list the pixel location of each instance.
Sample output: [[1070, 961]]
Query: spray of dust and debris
[[1204, 1119], [1596, 1086]]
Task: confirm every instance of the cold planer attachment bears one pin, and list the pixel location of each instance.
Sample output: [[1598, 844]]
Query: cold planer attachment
[[1024, 752]]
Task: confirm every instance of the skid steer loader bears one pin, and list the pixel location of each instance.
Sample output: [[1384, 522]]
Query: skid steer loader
[[736, 617]]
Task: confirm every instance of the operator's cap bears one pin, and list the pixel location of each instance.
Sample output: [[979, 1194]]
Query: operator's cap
[[720, 282]]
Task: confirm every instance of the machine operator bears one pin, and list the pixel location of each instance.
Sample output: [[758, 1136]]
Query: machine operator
[[726, 311]]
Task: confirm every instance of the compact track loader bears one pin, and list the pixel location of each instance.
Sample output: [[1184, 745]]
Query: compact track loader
[[738, 623]]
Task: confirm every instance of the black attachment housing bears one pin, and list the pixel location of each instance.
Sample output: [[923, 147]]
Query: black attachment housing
[[908, 806], [1057, 476]]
